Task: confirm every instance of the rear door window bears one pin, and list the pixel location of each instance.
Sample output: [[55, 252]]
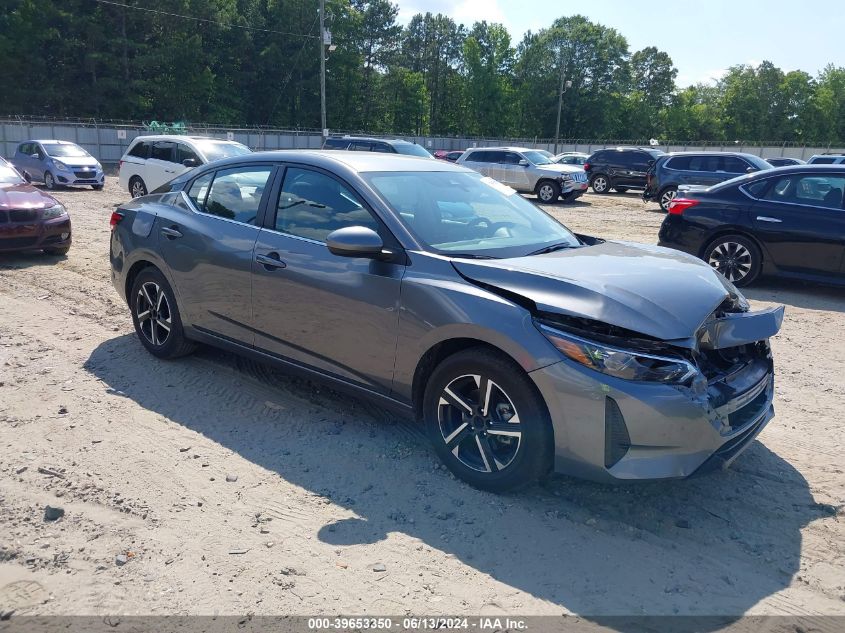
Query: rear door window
[[336, 143], [236, 193], [361, 146], [822, 160], [163, 150], [681, 163], [199, 190]]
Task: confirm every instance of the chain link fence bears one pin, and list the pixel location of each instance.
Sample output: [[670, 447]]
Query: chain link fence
[[107, 140]]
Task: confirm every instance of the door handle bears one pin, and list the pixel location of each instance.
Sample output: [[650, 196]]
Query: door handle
[[765, 218], [270, 261], [170, 232]]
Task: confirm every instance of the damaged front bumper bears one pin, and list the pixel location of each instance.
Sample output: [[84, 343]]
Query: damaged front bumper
[[610, 429]]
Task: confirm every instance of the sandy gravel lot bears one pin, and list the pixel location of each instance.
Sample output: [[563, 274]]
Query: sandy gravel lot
[[141, 455]]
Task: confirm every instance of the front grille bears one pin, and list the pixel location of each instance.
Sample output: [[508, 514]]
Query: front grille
[[85, 173], [23, 215], [17, 242], [750, 411]]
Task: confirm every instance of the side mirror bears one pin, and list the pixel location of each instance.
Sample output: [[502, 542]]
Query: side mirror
[[35, 156], [750, 170], [523, 163], [355, 241], [190, 162]]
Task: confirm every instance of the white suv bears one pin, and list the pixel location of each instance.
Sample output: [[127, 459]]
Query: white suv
[[827, 159], [152, 161]]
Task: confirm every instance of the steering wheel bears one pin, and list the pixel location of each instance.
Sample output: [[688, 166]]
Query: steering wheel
[[479, 219], [492, 227]]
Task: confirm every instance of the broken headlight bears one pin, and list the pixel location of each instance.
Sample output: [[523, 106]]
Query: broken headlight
[[621, 363]]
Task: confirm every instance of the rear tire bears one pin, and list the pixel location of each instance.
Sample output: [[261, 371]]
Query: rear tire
[[666, 196], [600, 184], [736, 257], [155, 316], [472, 426], [548, 191], [137, 187]]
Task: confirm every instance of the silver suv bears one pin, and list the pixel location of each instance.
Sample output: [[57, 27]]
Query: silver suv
[[527, 171], [827, 159]]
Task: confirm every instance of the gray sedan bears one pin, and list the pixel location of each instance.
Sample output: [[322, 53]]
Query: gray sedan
[[442, 294]]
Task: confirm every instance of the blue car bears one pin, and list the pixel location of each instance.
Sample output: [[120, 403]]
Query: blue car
[[58, 163]]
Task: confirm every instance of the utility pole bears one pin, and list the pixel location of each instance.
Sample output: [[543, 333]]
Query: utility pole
[[323, 130], [563, 86]]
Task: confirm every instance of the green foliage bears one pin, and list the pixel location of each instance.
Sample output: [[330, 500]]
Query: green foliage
[[79, 58]]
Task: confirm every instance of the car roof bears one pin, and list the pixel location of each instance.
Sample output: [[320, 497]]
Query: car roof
[[706, 153], [356, 161], [48, 140], [181, 137], [828, 155], [504, 148], [372, 138]]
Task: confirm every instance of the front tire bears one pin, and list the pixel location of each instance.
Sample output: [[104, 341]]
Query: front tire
[[736, 257], [600, 184], [155, 316], [548, 192], [49, 181], [487, 421], [137, 187], [97, 187]]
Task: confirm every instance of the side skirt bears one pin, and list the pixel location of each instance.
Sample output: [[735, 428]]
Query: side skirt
[[404, 409]]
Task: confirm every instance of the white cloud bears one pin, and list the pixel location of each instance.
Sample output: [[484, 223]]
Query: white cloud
[[464, 12]]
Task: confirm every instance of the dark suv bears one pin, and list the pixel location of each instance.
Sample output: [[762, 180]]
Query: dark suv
[[670, 171], [384, 145], [620, 168]]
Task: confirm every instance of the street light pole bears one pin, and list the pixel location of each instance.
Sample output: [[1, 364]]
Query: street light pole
[[323, 129], [563, 86]]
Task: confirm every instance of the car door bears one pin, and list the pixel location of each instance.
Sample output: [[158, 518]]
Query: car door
[[704, 169], [619, 167], [39, 162], [336, 314], [161, 166], [479, 161], [732, 166], [801, 222], [185, 152], [209, 248]]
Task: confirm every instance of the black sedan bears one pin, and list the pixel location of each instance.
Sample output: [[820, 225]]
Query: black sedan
[[788, 222]]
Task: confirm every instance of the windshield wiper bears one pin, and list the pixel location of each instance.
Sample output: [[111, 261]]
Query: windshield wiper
[[551, 249], [470, 256]]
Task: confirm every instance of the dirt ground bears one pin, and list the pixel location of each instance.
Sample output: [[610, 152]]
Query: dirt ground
[[230, 488]]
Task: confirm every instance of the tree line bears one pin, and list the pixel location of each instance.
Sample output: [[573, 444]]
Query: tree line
[[256, 62]]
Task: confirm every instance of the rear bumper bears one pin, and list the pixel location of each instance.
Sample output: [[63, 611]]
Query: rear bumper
[[28, 237], [613, 430]]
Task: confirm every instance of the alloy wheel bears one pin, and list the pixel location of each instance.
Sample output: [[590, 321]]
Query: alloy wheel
[[479, 423], [49, 181], [138, 189], [731, 259], [546, 193], [153, 312], [600, 184], [667, 198]]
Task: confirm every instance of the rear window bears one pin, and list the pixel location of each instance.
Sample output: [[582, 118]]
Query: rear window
[[822, 160], [411, 149], [679, 162]]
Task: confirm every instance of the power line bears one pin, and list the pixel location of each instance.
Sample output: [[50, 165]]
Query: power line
[[206, 20]]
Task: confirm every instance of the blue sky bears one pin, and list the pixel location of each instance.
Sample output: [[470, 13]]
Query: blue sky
[[703, 38]]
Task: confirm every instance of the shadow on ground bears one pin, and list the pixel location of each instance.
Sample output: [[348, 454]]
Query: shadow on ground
[[713, 545]]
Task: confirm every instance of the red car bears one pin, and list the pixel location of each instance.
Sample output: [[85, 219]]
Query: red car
[[30, 219], [451, 156]]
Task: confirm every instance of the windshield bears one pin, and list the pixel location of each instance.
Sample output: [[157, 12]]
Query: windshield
[[67, 150], [215, 151], [411, 149], [9, 176], [537, 158], [466, 214]]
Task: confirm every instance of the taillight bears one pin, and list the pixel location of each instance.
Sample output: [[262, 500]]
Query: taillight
[[116, 217], [586, 166], [679, 205]]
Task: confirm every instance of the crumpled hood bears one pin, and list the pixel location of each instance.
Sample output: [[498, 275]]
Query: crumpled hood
[[656, 291], [559, 168]]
